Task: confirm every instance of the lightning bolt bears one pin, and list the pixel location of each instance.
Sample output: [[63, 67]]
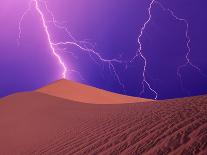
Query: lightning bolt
[[20, 23], [82, 45], [188, 42], [87, 47], [50, 40], [44, 24], [139, 53], [140, 50]]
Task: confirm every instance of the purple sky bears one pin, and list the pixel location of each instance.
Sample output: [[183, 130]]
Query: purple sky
[[112, 27]]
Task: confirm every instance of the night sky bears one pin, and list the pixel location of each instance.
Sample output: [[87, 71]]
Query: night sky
[[112, 28]]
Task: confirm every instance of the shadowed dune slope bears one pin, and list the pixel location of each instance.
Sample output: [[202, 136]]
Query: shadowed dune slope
[[87, 94], [36, 123]]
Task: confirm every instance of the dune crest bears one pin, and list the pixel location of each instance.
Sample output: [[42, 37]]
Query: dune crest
[[86, 94]]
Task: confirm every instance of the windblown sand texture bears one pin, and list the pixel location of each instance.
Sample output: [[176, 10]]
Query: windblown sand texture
[[38, 123]]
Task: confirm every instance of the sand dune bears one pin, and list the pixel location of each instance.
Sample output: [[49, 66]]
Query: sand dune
[[87, 94], [37, 123]]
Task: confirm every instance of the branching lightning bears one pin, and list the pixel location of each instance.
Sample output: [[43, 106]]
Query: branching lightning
[[94, 55], [188, 42], [140, 50], [82, 45]]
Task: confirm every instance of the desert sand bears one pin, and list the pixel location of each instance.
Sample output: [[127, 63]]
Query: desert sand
[[38, 123], [87, 94]]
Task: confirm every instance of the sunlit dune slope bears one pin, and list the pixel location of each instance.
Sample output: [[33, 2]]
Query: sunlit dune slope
[[86, 94]]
